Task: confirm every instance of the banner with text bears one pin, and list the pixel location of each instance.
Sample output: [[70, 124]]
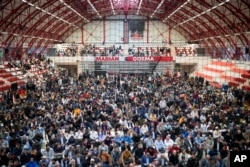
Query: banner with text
[[149, 58], [109, 58]]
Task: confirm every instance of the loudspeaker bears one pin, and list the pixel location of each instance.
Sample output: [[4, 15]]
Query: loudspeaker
[[14, 87]]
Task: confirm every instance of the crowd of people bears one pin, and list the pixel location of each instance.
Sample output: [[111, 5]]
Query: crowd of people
[[112, 121], [106, 51]]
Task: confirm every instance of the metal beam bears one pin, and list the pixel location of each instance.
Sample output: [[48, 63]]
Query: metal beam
[[204, 24], [189, 28], [15, 12], [93, 7], [180, 7], [237, 28], [29, 18], [51, 14], [112, 6], [158, 7], [68, 6], [202, 13], [139, 7]]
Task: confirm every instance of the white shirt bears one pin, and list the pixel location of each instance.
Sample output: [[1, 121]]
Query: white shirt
[[194, 114], [216, 134], [93, 135], [120, 133], [203, 118], [78, 135], [112, 133], [168, 143], [203, 127], [144, 129], [163, 104], [122, 122]]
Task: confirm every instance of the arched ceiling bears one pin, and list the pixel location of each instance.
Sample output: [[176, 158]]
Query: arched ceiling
[[211, 23]]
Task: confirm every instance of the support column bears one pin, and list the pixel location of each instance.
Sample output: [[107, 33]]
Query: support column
[[126, 31], [82, 34], [147, 30], [169, 41], [104, 30]]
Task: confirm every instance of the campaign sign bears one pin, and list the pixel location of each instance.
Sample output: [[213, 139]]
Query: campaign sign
[[240, 158]]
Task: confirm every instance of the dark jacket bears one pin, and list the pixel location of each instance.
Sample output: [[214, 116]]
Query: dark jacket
[[193, 162]]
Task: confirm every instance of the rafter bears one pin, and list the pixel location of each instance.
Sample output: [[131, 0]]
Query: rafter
[[112, 6], [69, 7], [92, 6], [27, 36], [51, 14], [158, 7], [200, 14], [139, 7], [220, 36], [183, 5]]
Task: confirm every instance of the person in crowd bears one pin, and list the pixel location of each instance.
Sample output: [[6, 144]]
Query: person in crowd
[[162, 160], [146, 159], [175, 147], [168, 142], [226, 161], [73, 163], [138, 153], [65, 161], [49, 152], [152, 152], [193, 160], [159, 145], [44, 162], [173, 158], [32, 162], [209, 144], [183, 157], [79, 159], [189, 145], [106, 158], [103, 146], [116, 154], [24, 157], [148, 140], [127, 157]]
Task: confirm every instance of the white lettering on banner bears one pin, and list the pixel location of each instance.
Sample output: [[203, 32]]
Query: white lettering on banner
[[147, 58], [104, 58], [240, 158]]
